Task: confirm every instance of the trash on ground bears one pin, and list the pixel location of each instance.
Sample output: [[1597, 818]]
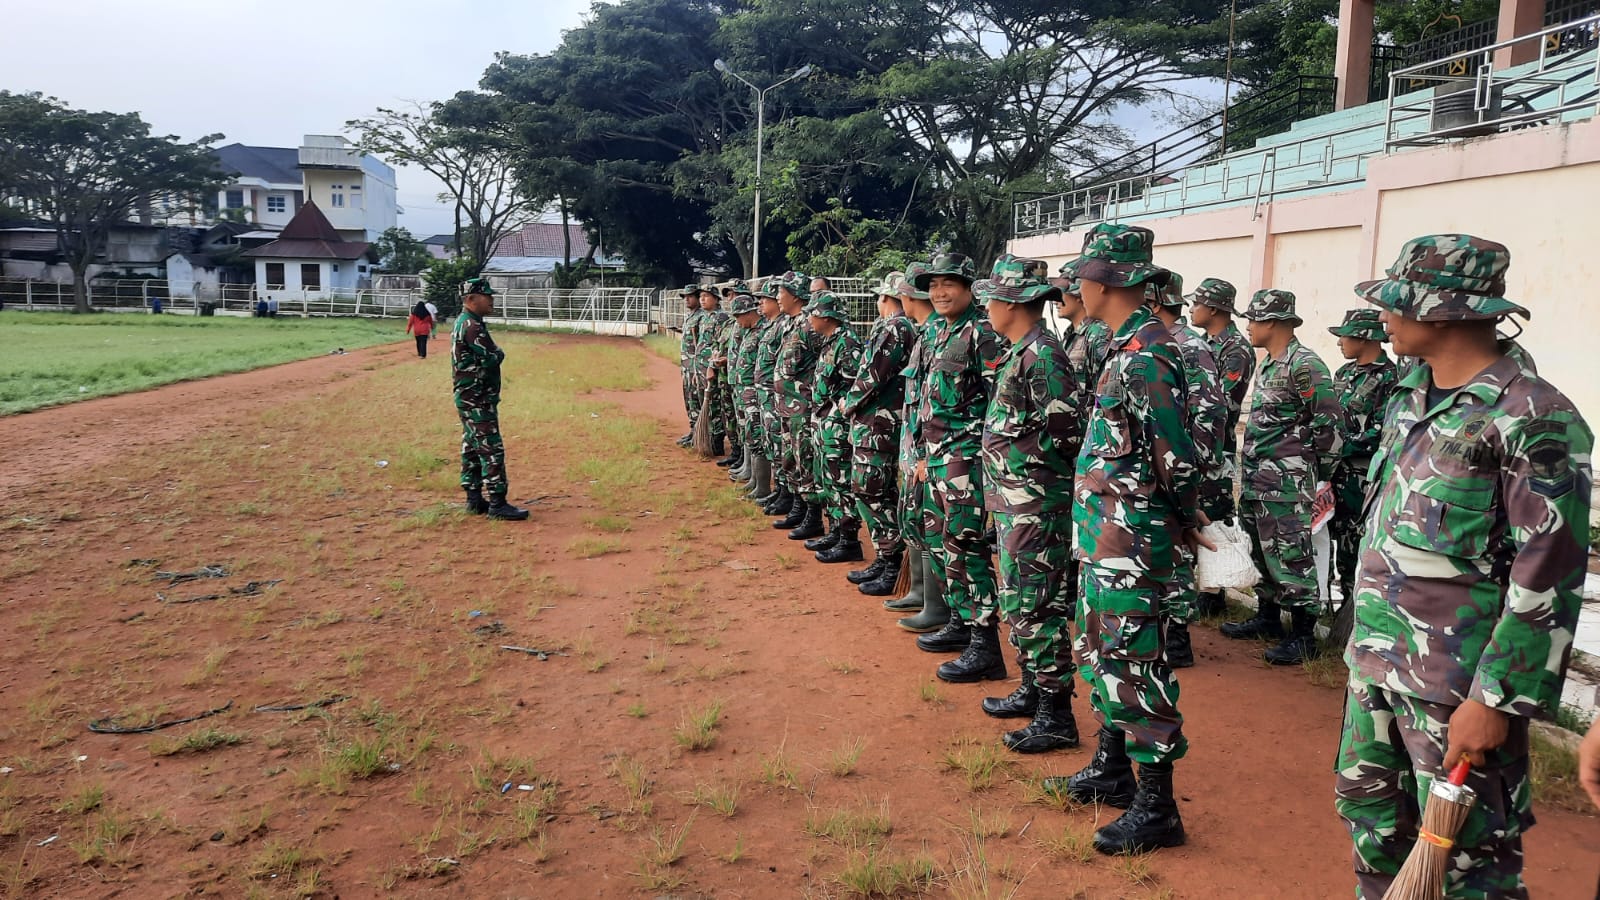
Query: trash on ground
[[296, 707], [110, 726], [533, 651], [212, 571]]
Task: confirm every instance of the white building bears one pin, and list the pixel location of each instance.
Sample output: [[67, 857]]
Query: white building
[[311, 258], [267, 186]]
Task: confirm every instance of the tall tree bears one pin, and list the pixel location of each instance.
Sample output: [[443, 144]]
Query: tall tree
[[400, 253], [477, 166], [87, 172]]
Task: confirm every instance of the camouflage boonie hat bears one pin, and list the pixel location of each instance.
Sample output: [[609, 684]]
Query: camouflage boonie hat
[[1116, 256], [736, 286], [1169, 294], [744, 302], [1214, 293], [1016, 280], [1362, 324], [1446, 278], [691, 290], [797, 284], [954, 265], [890, 285], [477, 286], [908, 287], [1272, 305], [1072, 287], [710, 289], [826, 305]]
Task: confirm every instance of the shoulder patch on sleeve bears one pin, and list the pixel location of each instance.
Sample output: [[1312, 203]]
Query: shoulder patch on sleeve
[[1304, 383], [1549, 456]]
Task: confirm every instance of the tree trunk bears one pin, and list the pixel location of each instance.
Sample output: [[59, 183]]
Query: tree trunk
[[80, 290], [566, 235]]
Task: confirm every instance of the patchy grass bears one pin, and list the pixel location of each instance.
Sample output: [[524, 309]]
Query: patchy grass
[[1072, 845], [593, 547], [1554, 773], [778, 770], [857, 828], [721, 798], [846, 755], [698, 730], [980, 763], [200, 741], [1328, 670], [667, 346], [874, 873]]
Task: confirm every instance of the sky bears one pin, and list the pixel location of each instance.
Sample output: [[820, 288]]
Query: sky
[[268, 73]]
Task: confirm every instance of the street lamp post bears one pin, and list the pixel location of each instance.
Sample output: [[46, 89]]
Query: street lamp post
[[761, 122]]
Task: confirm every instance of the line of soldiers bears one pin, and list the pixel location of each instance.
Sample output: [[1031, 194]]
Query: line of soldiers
[[1096, 450]]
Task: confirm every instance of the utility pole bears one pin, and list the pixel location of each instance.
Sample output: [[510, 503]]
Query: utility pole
[[761, 122]]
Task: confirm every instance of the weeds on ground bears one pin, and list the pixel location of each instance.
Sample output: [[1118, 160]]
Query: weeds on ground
[[107, 838], [1327, 670], [778, 770], [1554, 772], [86, 800], [1135, 868], [638, 710], [980, 763], [722, 798], [590, 547], [846, 756], [698, 730], [666, 848], [636, 784], [1072, 845], [860, 827], [928, 691], [874, 873], [198, 741], [842, 666], [988, 823]]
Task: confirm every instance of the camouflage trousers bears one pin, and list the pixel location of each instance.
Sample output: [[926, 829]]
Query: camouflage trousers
[[915, 508], [796, 447], [1392, 745], [1035, 550], [1182, 590], [874, 487], [747, 418], [1122, 656], [721, 405], [830, 467], [1349, 494], [1216, 495], [1280, 546], [483, 454], [691, 397], [954, 532]]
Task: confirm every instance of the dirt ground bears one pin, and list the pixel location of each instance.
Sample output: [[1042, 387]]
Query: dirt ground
[[841, 758]]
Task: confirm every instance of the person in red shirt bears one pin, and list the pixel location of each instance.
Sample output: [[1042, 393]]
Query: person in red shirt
[[420, 325]]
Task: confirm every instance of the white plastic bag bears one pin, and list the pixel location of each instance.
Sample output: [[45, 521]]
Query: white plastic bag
[[1228, 566]]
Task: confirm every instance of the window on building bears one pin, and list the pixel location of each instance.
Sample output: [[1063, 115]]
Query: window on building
[[311, 276], [274, 276], [338, 194], [234, 199], [355, 196], [276, 203], [336, 268]]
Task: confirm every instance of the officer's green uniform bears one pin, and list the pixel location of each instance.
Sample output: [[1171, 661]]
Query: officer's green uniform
[[688, 350], [1364, 390], [837, 360], [1471, 577]]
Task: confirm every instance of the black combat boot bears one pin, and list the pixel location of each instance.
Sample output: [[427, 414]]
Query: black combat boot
[[735, 456], [1052, 728], [778, 498], [716, 445], [1152, 822], [847, 548], [476, 505], [500, 509], [797, 514], [1180, 653], [954, 637], [1266, 623], [1301, 644], [829, 539], [810, 524], [862, 576], [687, 439], [1108, 778], [887, 577], [1021, 702], [981, 661], [1211, 603]]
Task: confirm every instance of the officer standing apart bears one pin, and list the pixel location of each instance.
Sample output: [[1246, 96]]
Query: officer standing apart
[[1136, 501], [1031, 436], [1290, 445], [1471, 573], [1364, 385], [475, 376]]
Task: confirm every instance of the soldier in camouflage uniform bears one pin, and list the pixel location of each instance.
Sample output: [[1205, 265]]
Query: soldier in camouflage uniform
[[475, 376], [1364, 385], [796, 367], [713, 332], [727, 345], [926, 595], [1211, 311], [777, 500], [686, 357], [1290, 446], [1471, 576], [1136, 502], [1032, 432], [741, 366], [963, 351], [838, 357], [1208, 414], [872, 407]]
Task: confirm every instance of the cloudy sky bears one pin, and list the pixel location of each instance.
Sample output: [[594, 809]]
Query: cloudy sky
[[267, 73]]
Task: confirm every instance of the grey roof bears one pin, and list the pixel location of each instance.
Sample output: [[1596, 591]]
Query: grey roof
[[440, 240], [277, 165]]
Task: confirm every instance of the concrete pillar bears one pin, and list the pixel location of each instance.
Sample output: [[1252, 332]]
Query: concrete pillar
[[1517, 18], [1353, 61]]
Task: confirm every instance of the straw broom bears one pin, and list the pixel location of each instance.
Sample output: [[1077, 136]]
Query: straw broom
[[1449, 801], [702, 423]]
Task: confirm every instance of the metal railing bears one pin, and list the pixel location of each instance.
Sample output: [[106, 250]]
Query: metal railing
[[1467, 95]]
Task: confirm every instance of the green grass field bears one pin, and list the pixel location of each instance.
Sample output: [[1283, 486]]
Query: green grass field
[[54, 358]]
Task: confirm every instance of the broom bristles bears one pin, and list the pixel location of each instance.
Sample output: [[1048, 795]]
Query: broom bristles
[[702, 426], [902, 582], [1422, 876]]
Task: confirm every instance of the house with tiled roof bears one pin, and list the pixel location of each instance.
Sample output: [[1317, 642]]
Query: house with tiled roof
[[311, 258], [526, 257]]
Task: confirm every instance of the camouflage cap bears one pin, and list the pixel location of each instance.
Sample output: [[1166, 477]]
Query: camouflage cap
[[954, 265], [797, 283], [1445, 278], [1360, 323], [890, 285], [827, 305], [479, 285], [1169, 294], [1016, 280], [691, 290], [736, 286], [1073, 287], [744, 302], [710, 289], [1214, 293], [908, 288], [1272, 305], [1116, 256]]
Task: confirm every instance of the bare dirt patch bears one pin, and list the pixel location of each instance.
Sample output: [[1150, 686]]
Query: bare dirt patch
[[694, 727]]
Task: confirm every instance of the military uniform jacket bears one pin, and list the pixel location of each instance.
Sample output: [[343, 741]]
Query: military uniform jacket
[[1138, 481], [1292, 439], [916, 373], [876, 394], [837, 362], [797, 363], [955, 393], [1236, 363], [1473, 562], [474, 360], [1208, 405], [1363, 393], [690, 342], [1033, 429], [772, 332], [742, 361], [1087, 345]]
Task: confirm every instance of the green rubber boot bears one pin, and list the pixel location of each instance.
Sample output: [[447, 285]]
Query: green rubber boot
[[912, 601], [935, 614]]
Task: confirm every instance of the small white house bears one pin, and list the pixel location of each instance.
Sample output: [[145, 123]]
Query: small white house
[[310, 259]]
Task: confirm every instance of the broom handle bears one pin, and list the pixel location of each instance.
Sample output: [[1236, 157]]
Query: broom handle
[[1458, 775]]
